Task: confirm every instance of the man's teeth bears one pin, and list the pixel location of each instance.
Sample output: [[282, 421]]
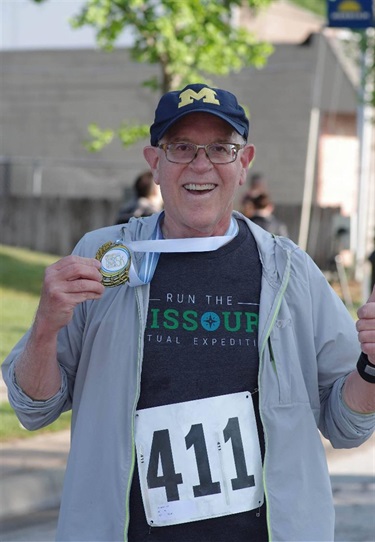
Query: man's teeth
[[199, 187]]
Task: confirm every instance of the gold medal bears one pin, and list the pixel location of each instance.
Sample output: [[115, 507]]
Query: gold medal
[[115, 259]]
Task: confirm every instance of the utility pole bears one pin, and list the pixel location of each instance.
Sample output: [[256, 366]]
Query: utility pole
[[359, 15], [365, 202]]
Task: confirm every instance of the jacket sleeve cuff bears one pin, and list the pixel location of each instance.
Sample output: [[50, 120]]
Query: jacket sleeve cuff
[[36, 414], [354, 428]]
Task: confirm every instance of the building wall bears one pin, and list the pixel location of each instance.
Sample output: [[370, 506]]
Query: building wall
[[338, 158], [48, 98]]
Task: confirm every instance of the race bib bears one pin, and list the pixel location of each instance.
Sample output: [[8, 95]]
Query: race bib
[[199, 459]]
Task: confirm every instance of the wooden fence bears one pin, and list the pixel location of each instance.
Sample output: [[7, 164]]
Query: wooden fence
[[55, 224]]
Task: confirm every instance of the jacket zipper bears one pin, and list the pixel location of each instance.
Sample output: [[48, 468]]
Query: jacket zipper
[[273, 362], [280, 297], [133, 457]]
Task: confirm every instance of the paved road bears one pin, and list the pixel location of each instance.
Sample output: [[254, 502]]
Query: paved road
[[353, 516], [36, 528]]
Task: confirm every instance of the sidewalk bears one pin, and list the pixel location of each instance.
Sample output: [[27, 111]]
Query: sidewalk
[[31, 473], [353, 486], [32, 470]]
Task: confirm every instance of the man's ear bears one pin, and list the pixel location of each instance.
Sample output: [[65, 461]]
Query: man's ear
[[247, 156], [151, 155]]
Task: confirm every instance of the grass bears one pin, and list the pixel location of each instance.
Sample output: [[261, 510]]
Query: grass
[[21, 276], [10, 427], [355, 289]]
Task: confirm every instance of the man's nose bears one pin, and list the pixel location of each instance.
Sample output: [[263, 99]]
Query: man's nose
[[201, 157]]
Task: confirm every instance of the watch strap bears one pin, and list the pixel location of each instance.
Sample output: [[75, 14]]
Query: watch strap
[[366, 369]]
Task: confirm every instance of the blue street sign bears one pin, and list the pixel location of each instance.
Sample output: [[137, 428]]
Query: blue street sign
[[350, 14]]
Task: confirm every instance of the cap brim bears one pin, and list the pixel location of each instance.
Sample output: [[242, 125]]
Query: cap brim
[[238, 127]]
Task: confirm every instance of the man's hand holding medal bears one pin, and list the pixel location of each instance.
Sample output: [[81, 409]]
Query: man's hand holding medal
[[67, 282]]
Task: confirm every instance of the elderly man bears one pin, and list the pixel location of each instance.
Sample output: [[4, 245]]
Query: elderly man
[[199, 354]]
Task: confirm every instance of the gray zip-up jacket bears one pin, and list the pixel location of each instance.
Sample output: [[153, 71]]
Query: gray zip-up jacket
[[307, 345]]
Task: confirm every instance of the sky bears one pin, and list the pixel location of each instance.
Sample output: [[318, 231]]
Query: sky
[[26, 25]]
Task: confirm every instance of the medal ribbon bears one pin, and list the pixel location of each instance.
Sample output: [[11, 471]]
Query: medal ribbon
[[157, 245]]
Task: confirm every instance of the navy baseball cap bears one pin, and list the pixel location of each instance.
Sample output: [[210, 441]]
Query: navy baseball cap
[[198, 98]]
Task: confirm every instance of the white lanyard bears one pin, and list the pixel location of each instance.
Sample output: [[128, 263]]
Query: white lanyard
[[154, 247]]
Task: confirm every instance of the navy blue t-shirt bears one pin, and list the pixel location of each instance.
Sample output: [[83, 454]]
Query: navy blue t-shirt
[[201, 341]]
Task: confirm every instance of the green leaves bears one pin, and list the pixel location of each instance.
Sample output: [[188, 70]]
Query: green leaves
[[189, 39], [99, 138], [127, 133], [360, 46], [130, 134]]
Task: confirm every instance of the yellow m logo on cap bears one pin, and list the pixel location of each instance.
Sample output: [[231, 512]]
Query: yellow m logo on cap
[[206, 94]]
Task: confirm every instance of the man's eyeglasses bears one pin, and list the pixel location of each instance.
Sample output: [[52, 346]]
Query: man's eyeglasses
[[217, 153]]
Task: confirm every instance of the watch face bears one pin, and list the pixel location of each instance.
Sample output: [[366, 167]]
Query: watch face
[[115, 259]]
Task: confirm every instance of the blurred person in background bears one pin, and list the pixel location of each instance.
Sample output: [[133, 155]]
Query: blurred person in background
[[247, 206], [263, 215], [146, 201], [257, 183]]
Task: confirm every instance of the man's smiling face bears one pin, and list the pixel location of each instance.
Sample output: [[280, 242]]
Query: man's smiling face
[[198, 197]]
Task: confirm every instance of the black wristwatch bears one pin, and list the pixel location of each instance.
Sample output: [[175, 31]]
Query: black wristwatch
[[366, 369]]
